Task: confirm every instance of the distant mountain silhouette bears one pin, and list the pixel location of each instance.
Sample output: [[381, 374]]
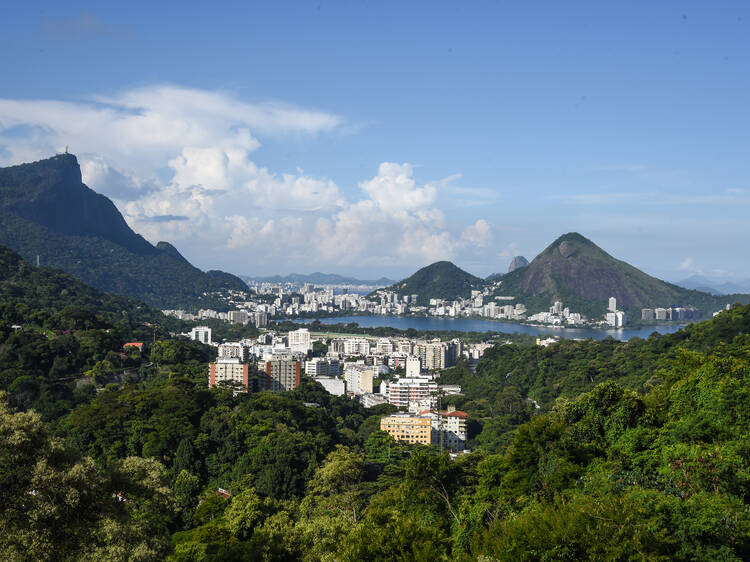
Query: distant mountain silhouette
[[715, 286], [318, 278]]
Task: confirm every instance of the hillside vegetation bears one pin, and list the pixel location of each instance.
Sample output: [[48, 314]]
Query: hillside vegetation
[[638, 450]]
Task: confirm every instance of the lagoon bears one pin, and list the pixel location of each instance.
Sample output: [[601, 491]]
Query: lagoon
[[478, 325]]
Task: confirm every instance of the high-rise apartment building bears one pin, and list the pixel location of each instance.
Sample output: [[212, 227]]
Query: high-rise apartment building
[[281, 375], [384, 345], [231, 371], [238, 317], [299, 340], [411, 392], [359, 378], [413, 367], [234, 351], [356, 346], [260, 319]]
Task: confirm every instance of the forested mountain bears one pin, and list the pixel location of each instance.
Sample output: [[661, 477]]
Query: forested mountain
[[576, 271], [440, 280], [46, 211]]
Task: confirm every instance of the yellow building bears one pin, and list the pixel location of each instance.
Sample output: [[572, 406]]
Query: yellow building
[[408, 427]]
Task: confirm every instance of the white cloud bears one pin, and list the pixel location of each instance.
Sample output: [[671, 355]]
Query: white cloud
[[143, 128], [394, 189], [478, 234], [96, 171], [688, 264], [395, 224], [511, 250], [177, 162]]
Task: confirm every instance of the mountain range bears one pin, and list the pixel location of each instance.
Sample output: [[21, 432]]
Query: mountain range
[[48, 213], [318, 278], [573, 270], [715, 286]]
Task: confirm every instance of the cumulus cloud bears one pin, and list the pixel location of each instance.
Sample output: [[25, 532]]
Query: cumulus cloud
[[509, 251], [396, 224], [478, 234], [179, 164], [395, 190], [110, 181], [688, 264]]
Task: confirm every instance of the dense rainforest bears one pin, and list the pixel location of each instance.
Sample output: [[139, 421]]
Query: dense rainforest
[[583, 450]]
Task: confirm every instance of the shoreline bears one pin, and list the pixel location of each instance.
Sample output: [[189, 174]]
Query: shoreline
[[631, 327]]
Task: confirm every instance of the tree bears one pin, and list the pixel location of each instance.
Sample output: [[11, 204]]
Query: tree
[[56, 505], [244, 513], [184, 458], [335, 486], [186, 488]]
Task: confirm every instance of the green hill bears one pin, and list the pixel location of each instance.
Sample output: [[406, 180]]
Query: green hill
[[46, 211], [576, 271], [30, 293], [440, 280]]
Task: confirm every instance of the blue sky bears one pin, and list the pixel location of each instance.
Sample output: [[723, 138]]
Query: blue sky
[[373, 138]]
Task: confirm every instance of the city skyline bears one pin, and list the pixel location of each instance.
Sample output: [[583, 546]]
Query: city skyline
[[373, 141]]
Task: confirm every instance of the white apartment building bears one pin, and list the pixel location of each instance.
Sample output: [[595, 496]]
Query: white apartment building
[[322, 367], [356, 346], [359, 379], [238, 317], [384, 345], [405, 346], [201, 334], [299, 340], [448, 428], [234, 350], [260, 319], [406, 392], [413, 366]]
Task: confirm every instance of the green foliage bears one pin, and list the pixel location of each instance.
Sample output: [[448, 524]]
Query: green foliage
[[498, 397], [56, 505], [639, 450]]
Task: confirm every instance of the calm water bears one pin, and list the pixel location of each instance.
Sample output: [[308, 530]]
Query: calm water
[[476, 325]]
